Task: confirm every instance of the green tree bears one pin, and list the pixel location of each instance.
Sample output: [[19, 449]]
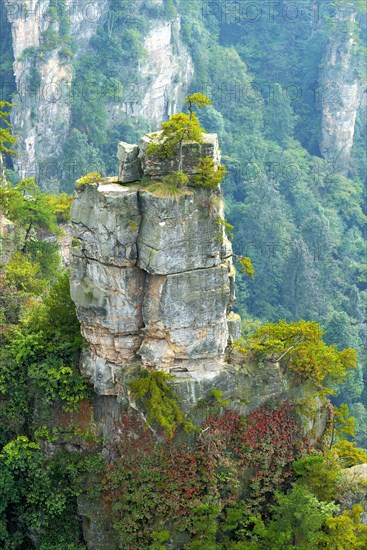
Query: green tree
[[208, 175], [178, 129], [7, 140], [197, 100], [279, 117], [346, 531], [297, 520], [320, 473], [31, 209], [300, 347]]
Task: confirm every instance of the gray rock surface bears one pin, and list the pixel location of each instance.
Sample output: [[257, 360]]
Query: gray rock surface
[[342, 92], [155, 167], [177, 236], [152, 278], [129, 163], [42, 116]]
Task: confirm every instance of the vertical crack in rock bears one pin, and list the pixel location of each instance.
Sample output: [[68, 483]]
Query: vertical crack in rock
[[152, 277]]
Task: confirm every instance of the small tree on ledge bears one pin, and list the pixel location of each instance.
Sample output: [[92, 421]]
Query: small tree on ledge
[[175, 131], [179, 128], [199, 100]]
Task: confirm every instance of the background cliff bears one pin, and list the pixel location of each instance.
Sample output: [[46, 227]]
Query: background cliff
[[288, 86]]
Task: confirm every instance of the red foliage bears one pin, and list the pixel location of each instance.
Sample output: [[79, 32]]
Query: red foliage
[[152, 483], [264, 444]]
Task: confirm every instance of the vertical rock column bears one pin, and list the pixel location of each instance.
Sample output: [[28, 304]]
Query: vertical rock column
[[106, 285], [187, 295], [152, 277]]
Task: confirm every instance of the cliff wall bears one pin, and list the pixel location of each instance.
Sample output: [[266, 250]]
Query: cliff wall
[[342, 92], [44, 75], [152, 277]]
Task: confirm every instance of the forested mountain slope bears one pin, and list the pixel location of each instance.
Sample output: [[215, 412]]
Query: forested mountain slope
[[289, 104], [79, 468]]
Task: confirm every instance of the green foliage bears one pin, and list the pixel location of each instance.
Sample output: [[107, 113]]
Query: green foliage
[[297, 520], [178, 129], [205, 527], [154, 485], [209, 176], [29, 208], [41, 350], [173, 186], [7, 140], [300, 347], [349, 455], [22, 273], [92, 177], [197, 100], [246, 266], [279, 116], [39, 499], [346, 531], [61, 204], [159, 538], [227, 227], [320, 473], [56, 380], [157, 396], [343, 422]]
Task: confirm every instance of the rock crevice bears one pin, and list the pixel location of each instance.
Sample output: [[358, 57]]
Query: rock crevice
[[152, 279]]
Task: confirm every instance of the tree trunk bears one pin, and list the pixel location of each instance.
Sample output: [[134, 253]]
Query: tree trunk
[[24, 249], [180, 158]]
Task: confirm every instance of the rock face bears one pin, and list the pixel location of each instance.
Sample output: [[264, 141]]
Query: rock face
[[42, 115], [341, 93], [43, 72], [152, 277], [168, 68]]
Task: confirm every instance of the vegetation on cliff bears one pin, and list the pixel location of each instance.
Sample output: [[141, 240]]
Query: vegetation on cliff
[[244, 482]]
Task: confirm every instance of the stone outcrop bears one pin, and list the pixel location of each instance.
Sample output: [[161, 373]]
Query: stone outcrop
[[152, 277], [42, 115]]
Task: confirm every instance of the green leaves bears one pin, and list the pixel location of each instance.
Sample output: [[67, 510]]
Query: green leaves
[[91, 177], [179, 128], [7, 140], [159, 399], [209, 176], [300, 347], [173, 186]]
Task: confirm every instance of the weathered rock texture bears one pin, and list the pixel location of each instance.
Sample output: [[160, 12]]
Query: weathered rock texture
[[152, 277], [44, 76], [42, 115], [341, 92]]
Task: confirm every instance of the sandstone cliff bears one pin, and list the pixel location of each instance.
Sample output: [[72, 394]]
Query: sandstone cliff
[[152, 277], [44, 72], [342, 92]]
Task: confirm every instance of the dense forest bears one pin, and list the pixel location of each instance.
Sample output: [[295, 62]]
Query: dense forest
[[300, 217]]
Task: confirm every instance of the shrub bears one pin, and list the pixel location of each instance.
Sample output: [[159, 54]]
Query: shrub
[[171, 187], [264, 445], [92, 177], [209, 176], [159, 399], [321, 473], [152, 484], [349, 455], [300, 347]]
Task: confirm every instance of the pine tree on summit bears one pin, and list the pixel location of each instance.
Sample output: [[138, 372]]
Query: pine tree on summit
[[199, 100]]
